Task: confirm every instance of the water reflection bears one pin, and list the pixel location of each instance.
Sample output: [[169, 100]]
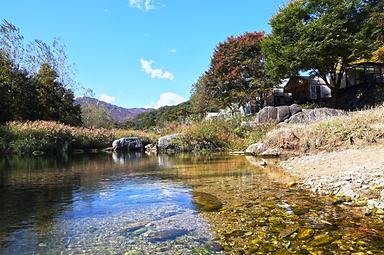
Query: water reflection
[[95, 204], [180, 204]]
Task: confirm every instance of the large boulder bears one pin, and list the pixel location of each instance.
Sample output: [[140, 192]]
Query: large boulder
[[307, 116], [294, 114], [166, 142], [276, 114], [127, 144]]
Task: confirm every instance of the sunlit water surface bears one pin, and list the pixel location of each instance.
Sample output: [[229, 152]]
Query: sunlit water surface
[[183, 204]]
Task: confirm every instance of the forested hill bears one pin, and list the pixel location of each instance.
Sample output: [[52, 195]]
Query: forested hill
[[117, 113], [162, 116]]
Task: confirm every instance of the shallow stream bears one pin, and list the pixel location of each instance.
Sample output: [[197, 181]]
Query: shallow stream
[[182, 204]]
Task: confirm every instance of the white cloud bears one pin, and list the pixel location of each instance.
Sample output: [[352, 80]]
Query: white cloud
[[172, 50], [156, 73], [145, 5], [106, 98], [167, 98]]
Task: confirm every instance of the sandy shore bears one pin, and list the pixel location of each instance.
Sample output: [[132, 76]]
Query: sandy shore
[[357, 173]]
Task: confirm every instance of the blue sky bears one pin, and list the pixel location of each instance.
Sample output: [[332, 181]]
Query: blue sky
[[139, 53]]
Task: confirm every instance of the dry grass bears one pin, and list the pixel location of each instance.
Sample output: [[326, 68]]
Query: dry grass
[[218, 134], [25, 137], [361, 128]]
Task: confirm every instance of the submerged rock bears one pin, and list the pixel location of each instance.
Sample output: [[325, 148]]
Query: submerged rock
[[134, 231], [165, 235], [288, 231], [206, 202], [323, 239], [305, 233]]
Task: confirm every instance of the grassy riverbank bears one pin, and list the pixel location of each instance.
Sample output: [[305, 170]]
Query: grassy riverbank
[[355, 128], [219, 134], [55, 138], [364, 127]]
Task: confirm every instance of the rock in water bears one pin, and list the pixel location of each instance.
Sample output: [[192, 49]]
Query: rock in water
[[206, 202], [127, 144]]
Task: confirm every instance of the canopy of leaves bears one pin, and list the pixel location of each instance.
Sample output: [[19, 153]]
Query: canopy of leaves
[[322, 36], [32, 95], [30, 56], [202, 100], [236, 74]]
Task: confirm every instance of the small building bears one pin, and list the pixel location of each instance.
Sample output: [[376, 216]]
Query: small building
[[366, 73], [304, 89], [278, 98]]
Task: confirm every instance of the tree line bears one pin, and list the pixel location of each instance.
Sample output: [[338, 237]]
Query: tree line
[[321, 37], [35, 80]]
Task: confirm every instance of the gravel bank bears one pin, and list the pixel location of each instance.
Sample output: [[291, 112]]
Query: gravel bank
[[356, 173]]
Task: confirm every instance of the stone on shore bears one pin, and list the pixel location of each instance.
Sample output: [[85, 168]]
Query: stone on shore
[[294, 114], [270, 153], [260, 149], [307, 116], [166, 142], [276, 114], [256, 149], [150, 148], [127, 144]]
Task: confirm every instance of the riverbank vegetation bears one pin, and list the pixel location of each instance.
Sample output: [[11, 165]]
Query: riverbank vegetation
[[363, 127], [219, 134], [55, 138]]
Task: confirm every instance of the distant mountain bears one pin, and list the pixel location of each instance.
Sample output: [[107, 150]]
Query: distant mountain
[[118, 114]]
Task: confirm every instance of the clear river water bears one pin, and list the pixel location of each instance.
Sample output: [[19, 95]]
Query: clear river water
[[133, 204]]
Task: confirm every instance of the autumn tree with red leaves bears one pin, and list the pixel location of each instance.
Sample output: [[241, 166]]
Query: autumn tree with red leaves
[[236, 75]]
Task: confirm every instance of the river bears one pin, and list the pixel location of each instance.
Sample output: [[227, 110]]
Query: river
[[135, 204]]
